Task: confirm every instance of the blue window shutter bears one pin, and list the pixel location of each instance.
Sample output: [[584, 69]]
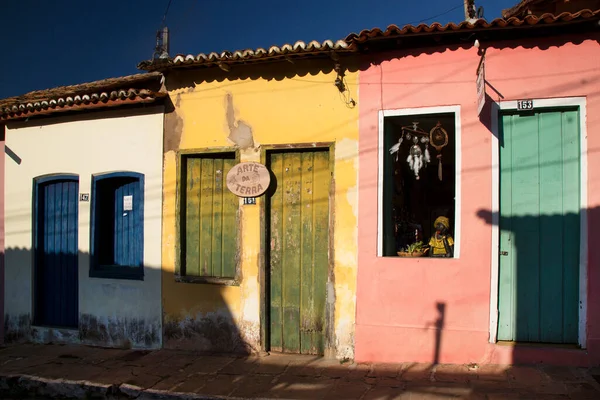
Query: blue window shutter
[[117, 237]]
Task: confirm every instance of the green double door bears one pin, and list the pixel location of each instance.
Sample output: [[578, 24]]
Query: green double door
[[298, 250], [539, 227]]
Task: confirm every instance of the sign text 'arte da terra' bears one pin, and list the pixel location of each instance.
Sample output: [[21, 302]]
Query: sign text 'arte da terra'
[[248, 179]]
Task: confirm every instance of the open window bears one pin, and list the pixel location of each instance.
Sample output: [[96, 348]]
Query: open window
[[117, 226], [418, 186]]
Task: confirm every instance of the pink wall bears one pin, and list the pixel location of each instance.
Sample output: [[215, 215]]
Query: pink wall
[[396, 299], [1, 233]]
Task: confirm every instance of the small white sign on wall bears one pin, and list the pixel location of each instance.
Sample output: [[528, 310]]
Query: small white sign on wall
[[128, 203]]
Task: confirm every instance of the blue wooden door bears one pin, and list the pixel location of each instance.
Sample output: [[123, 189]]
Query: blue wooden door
[[55, 238], [128, 229], [539, 227]]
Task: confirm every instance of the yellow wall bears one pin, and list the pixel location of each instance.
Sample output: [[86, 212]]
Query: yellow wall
[[290, 110]]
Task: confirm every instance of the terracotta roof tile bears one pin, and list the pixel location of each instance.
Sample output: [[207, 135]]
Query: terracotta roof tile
[[108, 92], [349, 45], [299, 48], [394, 30]]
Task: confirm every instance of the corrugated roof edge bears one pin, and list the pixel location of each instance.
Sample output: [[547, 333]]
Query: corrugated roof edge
[[299, 48], [111, 92], [530, 20], [349, 44]]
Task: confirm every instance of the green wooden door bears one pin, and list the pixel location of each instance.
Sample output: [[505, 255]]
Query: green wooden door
[[298, 214], [539, 227]]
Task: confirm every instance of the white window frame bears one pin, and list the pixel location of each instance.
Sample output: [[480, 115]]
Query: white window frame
[[511, 105], [457, 168]]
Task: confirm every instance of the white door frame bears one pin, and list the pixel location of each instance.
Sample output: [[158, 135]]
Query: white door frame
[[455, 109], [583, 231]]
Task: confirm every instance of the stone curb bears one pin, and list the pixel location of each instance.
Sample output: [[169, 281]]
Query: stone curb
[[30, 385]]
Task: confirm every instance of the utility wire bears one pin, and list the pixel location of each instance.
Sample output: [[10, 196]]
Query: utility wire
[[166, 12], [436, 16]]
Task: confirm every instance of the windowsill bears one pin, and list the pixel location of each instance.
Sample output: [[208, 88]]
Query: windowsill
[[417, 258], [118, 272], [210, 280], [72, 329]]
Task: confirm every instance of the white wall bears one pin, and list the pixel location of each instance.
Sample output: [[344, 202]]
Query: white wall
[[116, 312]]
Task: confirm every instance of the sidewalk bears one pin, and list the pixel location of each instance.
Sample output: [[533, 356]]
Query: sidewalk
[[80, 371]]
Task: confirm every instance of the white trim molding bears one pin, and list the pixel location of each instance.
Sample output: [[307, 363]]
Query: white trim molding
[[458, 167], [563, 102]]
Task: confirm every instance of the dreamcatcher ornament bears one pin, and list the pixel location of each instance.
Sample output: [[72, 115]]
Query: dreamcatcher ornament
[[438, 137], [417, 158]]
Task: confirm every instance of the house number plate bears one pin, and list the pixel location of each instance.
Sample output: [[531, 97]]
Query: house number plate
[[524, 104], [84, 197]]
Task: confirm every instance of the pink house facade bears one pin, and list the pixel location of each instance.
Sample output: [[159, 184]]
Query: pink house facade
[[2, 151], [520, 185]]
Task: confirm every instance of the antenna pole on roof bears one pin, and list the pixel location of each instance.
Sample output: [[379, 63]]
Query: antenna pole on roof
[[161, 51], [162, 44], [470, 10]]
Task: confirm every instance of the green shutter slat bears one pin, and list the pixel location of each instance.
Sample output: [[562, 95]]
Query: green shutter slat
[[230, 226], [307, 312], [571, 224], [291, 252], [217, 220], [206, 216], [526, 229], [551, 227], [192, 220], [275, 252], [322, 179], [507, 279]]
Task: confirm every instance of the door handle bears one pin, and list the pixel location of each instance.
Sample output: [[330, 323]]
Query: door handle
[[504, 253]]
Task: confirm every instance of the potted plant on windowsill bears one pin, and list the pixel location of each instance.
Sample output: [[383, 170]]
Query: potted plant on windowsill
[[416, 249]]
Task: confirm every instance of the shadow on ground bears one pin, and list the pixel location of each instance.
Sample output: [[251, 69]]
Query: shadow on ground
[[289, 376]]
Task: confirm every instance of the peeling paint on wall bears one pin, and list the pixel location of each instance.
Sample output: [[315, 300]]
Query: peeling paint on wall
[[173, 129], [240, 132]]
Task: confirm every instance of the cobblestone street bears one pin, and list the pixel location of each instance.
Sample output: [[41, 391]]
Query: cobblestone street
[[44, 371]]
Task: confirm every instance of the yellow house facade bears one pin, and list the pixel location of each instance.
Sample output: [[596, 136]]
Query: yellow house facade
[[275, 272]]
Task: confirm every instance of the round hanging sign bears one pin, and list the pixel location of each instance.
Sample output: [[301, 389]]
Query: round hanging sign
[[248, 179]]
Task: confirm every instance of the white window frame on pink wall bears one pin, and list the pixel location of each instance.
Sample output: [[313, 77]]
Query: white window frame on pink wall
[[458, 167]]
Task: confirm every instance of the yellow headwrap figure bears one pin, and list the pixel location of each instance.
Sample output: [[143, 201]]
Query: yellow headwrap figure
[[441, 243]]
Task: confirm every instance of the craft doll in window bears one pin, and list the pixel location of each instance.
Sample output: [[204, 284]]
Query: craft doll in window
[[441, 243]]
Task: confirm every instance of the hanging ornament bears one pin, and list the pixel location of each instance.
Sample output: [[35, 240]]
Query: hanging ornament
[[418, 157], [395, 149], [415, 158], [438, 137]]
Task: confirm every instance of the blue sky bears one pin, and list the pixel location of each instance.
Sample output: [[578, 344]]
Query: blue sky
[[62, 42]]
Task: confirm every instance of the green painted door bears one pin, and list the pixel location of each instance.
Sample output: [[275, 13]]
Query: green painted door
[[539, 227], [298, 237]]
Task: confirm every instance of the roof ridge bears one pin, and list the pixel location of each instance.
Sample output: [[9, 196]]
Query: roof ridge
[[82, 87], [348, 44]]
